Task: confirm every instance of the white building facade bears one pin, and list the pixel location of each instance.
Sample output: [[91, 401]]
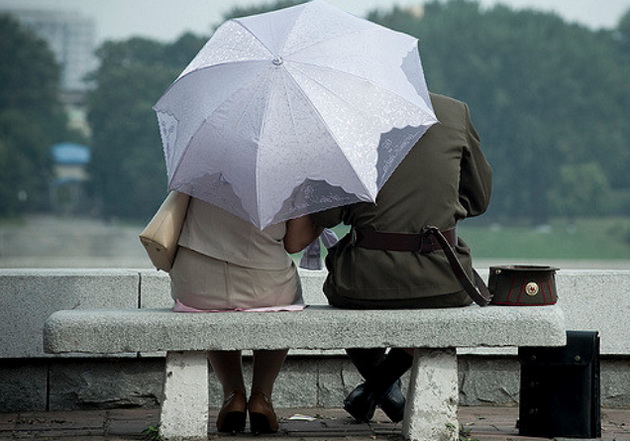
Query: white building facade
[[71, 37]]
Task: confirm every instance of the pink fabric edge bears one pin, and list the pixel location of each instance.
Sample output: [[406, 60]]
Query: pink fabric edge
[[180, 307]]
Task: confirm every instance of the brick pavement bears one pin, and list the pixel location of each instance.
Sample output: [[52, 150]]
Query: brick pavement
[[478, 423]]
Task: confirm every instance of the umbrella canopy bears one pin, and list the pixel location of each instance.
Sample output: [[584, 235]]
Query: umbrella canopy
[[294, 111]]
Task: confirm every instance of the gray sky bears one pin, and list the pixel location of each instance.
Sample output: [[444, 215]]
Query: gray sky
[[167, 19]]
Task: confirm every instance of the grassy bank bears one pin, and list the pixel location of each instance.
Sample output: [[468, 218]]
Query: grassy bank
[[596, 239], [584, 239]]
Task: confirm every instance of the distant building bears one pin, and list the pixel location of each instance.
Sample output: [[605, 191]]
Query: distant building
[[71, 38], [417, 11], [67, 192]]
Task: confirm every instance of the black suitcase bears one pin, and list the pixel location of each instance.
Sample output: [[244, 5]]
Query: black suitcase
[[560, 389]]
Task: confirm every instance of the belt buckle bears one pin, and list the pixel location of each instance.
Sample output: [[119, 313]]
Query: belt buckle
[[425, 239], [353, 236], [426, 236]]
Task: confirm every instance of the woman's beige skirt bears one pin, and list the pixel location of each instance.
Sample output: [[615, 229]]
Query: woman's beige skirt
[[202, 282]]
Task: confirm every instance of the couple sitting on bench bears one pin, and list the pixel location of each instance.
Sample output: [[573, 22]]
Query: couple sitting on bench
[[402, 252]]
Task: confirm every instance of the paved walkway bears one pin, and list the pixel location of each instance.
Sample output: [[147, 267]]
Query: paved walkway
[[478, 423]]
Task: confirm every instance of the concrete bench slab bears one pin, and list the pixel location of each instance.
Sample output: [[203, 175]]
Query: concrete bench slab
[[317, 327], [434, 333]]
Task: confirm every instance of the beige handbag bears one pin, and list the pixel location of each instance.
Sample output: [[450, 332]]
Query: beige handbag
[[161, 235]]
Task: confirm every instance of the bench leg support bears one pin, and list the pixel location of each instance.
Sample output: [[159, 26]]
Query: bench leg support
[[184, 411], [431, 411]]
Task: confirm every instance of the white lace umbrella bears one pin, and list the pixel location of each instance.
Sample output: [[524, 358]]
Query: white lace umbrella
[[293, 111]]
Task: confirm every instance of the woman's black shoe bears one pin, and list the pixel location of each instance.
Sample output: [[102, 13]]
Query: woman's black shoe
[[393, 403]]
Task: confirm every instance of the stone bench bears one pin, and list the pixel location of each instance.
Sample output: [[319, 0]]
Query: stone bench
[[435, 333]]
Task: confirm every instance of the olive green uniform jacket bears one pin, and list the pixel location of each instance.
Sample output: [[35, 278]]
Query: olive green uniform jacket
[[443, 179]]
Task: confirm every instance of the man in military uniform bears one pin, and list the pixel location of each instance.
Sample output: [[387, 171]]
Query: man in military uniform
[[387, 260]]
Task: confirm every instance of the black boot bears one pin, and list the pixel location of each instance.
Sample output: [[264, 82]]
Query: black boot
[[366, 362], [393, 403], [382, 387]]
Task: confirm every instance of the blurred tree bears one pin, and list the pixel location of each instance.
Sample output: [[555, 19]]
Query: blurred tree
[[623, 30], [583, 189], [129, 175], [31, 118], [239, 11], [543, 93]]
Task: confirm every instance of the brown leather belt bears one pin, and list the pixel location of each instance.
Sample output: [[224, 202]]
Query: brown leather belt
[[381, 240], [429, 240]]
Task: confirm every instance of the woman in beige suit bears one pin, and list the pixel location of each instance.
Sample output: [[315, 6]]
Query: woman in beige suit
[[225, 263]]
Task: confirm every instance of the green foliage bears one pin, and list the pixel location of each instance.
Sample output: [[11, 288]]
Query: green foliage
[[582, 189], [31, 118], [623, 31], [239, 11], [152, 433], [465, 434], [129, 176], [543, 94]]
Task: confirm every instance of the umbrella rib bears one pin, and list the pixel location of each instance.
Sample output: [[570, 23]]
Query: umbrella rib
[[286, 91], [367, 80], [201, 69], [183, 154], [322, 85], [255, 36], [342, 36], [262, 130], [323, 121]]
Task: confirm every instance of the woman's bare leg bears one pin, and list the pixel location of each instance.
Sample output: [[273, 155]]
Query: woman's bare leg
[[228, 367], [267, 365]]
